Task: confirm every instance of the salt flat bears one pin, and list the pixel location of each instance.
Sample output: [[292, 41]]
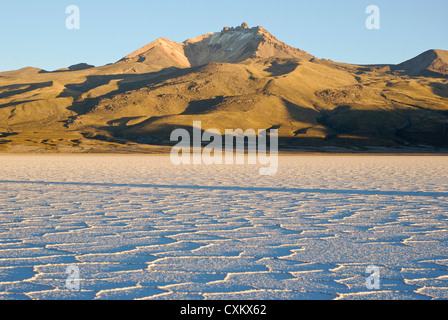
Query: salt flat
[[138, 227]]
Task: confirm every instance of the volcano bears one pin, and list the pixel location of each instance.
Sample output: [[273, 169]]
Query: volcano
[[237, 78], [231, 45]]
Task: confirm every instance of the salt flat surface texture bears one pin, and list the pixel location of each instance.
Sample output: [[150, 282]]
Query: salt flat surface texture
[[138, 227]]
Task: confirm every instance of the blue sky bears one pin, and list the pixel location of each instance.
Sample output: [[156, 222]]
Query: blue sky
[[33, 33]]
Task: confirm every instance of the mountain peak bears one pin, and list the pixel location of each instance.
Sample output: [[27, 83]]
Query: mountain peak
[[162, 52], [231, 45], [432, 62]]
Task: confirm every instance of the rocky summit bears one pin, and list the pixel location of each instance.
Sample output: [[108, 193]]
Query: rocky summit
[[231, 45]]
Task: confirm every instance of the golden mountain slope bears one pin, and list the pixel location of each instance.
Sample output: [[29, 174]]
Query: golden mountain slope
[[134, 104], [429, 63]]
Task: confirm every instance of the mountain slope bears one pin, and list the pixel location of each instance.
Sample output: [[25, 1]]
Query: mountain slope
[[231, 45], [237, 78], [429, 63], [161, 52], [312, 103]]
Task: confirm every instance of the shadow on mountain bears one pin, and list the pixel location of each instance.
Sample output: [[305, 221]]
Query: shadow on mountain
[[161, 136], [15, 103], [202, 106], [344, 127], [334, 119], [281, 67], [439, 89], [15, 89], [8, 134], [129, 82], [122, 122]]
